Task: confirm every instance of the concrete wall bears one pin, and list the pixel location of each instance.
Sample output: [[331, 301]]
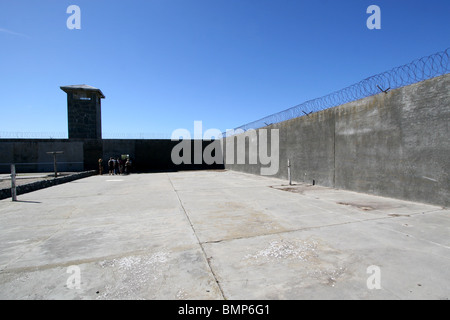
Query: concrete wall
[[83, 154], [31, 155], [152, 155], [395, 145]]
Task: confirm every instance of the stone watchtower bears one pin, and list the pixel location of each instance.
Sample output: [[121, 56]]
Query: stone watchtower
[[84, 111]]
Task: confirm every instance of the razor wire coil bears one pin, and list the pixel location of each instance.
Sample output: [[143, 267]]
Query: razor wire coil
[[418, 70]]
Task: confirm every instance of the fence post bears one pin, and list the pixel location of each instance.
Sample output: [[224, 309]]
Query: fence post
[[13, 183], [54, 153], [55, 168]]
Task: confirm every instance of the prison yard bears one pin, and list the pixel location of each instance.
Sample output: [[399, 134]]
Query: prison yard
[[219, 234], [341, 197]]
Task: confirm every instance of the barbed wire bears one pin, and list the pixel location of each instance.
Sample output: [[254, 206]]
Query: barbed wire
[[136, 136], [418, 70], [63, 135], [32, 135]]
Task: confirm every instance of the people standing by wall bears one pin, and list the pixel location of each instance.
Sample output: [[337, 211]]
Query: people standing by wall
[[100, 166], [116, 166], [111, 166], [121, 164], [128, 166]]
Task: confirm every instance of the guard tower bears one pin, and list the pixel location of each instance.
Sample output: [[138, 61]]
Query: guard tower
[[84, 111]]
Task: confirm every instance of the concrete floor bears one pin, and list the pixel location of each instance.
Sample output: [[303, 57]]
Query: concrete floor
[[219, 235]]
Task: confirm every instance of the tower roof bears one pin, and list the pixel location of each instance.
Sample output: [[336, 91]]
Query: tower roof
[[84, 87]]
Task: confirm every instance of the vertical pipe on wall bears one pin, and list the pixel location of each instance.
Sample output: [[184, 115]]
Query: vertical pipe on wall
[[289, 172], [13, 183]]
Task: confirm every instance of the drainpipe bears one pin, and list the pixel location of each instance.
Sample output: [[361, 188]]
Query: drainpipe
[[289, 172], [13, 183]]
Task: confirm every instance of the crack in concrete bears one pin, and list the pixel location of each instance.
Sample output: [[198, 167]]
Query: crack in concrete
[[315, 227], [198, 240]]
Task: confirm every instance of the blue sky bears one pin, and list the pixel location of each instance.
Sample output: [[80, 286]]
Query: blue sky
[[163, 64]]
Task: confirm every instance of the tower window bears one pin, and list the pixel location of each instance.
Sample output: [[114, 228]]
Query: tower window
[[81, 96]]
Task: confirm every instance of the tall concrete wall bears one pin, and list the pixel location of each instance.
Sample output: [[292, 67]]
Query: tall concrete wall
[[395, 145], [31, 155], [153, 155], [83, 154]]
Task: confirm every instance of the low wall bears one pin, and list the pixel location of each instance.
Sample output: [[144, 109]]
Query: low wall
[[394, 145], [26, 188]]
